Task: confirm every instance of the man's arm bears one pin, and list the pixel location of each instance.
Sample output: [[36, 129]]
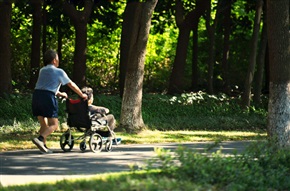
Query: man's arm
[[77, 90]]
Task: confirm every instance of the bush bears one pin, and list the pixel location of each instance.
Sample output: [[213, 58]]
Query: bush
[[261, 167], [191, 111]]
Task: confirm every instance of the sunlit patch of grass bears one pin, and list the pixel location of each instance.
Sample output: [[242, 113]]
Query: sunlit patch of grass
[[188, 136], [12, 141]]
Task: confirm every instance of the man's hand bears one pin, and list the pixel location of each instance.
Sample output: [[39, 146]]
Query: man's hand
[[85, 96], [62, 94]]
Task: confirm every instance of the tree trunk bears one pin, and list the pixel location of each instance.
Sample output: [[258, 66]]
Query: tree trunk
[[176, 78], [212, 47], [131, 112], [261, 62], [195, 76], [59, 40], [252, 61], [5, 48], [185, 25], [129, 23], [44, 27], [79, 68], [36, 42], [79, 20], [279, 52], [226, 46]]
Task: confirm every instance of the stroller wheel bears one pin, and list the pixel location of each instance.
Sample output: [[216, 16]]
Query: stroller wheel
[[66, 143], [96, 143], [83, 146], [109, 145]]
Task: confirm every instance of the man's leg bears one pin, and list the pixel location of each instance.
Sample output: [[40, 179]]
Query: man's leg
[[52, 126], [43, 125], [48, 126]]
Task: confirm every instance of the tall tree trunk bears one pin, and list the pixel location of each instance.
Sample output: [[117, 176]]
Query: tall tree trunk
[[5, 48], [36, 42], [246, 97], [79, 20], [185, 24], [267, 70], [59, 40], [261, 62], [44, 27], [279, 51], [176, 84], [212, 47], [226, 45], [131, 111], [195, 76], [79, 68], [127, 29]]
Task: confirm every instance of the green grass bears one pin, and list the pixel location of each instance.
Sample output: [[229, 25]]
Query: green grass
[[187, 118], [261, 167], [22, 140]]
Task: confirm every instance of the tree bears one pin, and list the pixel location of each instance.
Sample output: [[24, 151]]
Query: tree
[[185, 23], [252, 60], [5, 49], [261, 57], [131, 111], [226, 44], [80, 20], [279, 61], [36, 42], [211, 28]]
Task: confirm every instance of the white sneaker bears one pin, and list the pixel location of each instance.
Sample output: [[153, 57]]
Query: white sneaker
[[39, 144]]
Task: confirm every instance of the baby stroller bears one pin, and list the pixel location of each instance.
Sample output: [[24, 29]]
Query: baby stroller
[[93, 127]]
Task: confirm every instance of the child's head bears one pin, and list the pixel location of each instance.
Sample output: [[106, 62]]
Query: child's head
[[90, 93]]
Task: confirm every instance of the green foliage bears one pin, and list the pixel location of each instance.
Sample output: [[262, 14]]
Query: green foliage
[[103, 50], [189, 111], [261, 167], [200, 111]]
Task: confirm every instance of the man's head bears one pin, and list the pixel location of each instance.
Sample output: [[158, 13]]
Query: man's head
[[50, 57], [90, 93]]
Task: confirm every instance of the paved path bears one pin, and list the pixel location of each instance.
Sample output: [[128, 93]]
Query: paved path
[[28, 166]]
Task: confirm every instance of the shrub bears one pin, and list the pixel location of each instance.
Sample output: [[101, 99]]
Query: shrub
[[261, 167]]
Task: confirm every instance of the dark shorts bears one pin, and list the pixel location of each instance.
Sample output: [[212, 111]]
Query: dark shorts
[[44, 103]]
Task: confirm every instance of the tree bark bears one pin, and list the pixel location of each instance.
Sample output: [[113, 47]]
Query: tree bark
[[246, 97], [212, 47], [5, 48], [279, 52], [131, 111], [185, 23], [226, 45], [79, 20], [261, 61], [36, 42], [44, 27], [128, 26], [195, 74]]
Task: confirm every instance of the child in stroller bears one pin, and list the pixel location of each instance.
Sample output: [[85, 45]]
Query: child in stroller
[[93, 121]]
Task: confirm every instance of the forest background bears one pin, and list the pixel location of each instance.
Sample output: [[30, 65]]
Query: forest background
[[225, 70], [194, 46]]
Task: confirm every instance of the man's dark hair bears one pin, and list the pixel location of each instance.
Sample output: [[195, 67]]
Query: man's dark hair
[[49, 55], [89, 91]]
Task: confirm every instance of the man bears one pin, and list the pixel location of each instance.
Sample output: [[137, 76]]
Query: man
[[99, 109], [44, 101]]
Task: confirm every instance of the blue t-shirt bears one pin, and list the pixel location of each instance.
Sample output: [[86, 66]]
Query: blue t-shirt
[[50, 78]]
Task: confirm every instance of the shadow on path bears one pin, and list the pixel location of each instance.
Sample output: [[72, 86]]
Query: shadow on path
[[32, 162]]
